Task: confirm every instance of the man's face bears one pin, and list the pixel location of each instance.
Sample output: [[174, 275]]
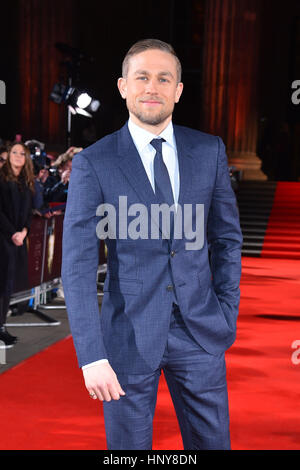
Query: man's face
[[66, 166], [43, 174], [150, 88]]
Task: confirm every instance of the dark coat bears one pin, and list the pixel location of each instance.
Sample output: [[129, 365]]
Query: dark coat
[[15, 214], [57, 193]]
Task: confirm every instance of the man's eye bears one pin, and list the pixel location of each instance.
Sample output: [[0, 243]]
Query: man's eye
[[142, 78]]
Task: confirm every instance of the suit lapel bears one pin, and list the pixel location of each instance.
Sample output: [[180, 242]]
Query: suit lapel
[[132, 167], [185, 163]]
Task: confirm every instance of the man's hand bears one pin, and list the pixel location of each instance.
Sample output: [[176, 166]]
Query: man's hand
[[48, 215], [102, 381], [65, 177]]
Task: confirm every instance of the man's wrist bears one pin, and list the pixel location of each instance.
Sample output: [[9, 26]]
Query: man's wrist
[[93, 364]]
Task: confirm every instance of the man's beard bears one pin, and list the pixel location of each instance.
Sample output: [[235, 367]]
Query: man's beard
[[152, 120]]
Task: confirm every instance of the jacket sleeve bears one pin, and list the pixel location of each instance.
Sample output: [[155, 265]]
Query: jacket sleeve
[[6, 226], [225, 240], [80, 261]]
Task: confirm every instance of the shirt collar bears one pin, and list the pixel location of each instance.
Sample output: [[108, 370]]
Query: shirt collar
[[142, 137]]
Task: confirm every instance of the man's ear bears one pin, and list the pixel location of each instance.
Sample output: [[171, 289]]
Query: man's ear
[[179, 90], [122, 87]]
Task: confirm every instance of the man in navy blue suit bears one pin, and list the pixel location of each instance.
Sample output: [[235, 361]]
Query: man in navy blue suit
[[171, 294]]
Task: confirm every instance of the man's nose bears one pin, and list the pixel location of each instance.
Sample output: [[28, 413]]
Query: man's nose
[[151, 86]]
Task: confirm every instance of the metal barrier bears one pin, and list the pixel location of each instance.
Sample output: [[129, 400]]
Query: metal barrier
[[44, 245]]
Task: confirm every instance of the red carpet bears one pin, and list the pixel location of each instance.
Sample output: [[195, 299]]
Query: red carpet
[[282, 239], [45, 405], [264, 384]]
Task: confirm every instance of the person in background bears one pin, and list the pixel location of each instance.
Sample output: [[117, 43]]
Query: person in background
[[3, 156], [72, 151], [58, 192], [56, 186], [16, 191], [40, 206]]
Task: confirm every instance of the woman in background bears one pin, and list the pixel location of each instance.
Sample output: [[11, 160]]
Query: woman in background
[[16, 191]]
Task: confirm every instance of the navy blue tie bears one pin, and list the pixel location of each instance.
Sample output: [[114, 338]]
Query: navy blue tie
[[163, 187]]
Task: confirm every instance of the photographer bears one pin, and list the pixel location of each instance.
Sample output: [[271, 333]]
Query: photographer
[[40, 206], [56, 186]]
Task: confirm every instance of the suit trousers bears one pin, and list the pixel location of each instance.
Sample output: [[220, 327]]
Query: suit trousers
[[198, 387]]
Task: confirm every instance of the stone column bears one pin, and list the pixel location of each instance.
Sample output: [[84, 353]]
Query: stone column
[[230, 72]]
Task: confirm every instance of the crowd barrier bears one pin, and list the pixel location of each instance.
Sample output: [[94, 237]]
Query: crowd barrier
[[44, 244]]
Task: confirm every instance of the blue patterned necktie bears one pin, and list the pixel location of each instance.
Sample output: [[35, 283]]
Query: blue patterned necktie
[[163, 187]]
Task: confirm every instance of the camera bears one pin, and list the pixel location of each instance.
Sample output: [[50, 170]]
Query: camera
[[53, 171], [38, 153]]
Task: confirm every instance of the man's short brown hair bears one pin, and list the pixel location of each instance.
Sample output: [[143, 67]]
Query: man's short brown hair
[[148, 44]]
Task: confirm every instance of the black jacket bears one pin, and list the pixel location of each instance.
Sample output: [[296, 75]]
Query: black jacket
[[15, 214]]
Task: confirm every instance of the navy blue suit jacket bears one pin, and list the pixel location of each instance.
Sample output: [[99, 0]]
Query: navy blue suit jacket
[[131, 330]]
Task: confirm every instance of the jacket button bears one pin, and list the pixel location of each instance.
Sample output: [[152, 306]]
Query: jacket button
[[169, 288], [173, 253]]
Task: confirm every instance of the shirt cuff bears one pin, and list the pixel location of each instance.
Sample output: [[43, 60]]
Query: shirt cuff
[[92, 364]]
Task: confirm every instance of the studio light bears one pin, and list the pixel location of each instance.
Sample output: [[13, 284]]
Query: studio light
[[78, 101], [58, 93], [83, 100], [83, 103]]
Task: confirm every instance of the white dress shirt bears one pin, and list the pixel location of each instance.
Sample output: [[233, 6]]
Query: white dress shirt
[[142, 139]]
